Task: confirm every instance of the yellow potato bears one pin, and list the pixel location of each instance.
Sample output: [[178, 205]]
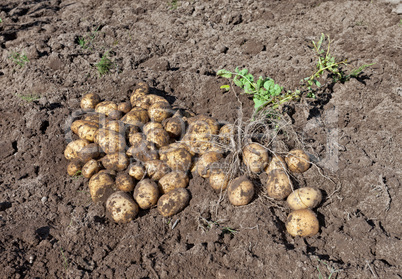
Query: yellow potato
[[124, 182], [136, 116], [240, 191], [78, 123], [173, 180], [74, 168], [88, 152], [178, 159], [105, 107], [302, 222], [94, 117], [124, 107], [218, 180], [174, 126], [198, 137], [278, 184], [141, 89], [110, 141], [211, 122], [159, 137], [90, 168], [115, 161], [146, 193], [116, 126], [151, 125], [298, 161], [121, 208], [137, 171], [73, 148], [207, 162], [142, 150], [303, 198], [135, 139], [90, 100], [173, 202], [226, 134], [87, 131], [101, 186], [277, 162], [156, 169], [255, 157], [159, 111], [115, 114]]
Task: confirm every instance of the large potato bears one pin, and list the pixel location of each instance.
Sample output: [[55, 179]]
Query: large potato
[[156, 169], [173, 180], [298, 161], [124, 182], [136, 116], [142, 150], [90, 100], [73, 148], [159, 111], [146, 193], [105, 107], [207, 162], [141, 89], [116, 126], [303, 198], [198, 137], [277, 162], [78, 123], [90, 168], [101, 186], [89, 152], [74, 168], [178, 159], [159, 137], [151, 125], [211, 122], [278, 184], [175, 126], [240, 191], [87, 131], [115, 161], [110, 141], [302, 222], [255, 157], [218, 179], [173, 202], [121, 208]]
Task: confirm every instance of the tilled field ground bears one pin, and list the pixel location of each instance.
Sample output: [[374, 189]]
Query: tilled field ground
[[49, 228]]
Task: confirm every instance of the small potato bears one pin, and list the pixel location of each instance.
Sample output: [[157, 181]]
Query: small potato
[[124, 107], [218, 180], [105, 107], [302, 222], [136, 116], [303, 198], [90, 168], [88, 152], [121, 208], [73, 148], [115, 161], [240, 191], [151, 125], [110, 141], [173, 202], [278, 184], [255, 157], [90, 100], [101, 186], [141, 89], [146, 193], [206, 163], [115, 114], [173, 180], [226, 134], [136, 138], [124, 182], [156, 169], [159, 111], [298, 161], [179, 159], [174, 126], [87, 131], [78, 123], [159, 137], [137, 171], [74, 168], [277, 162]]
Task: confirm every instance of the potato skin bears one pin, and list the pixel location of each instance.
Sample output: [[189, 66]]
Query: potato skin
[[124, 107], [173, 180], [159, 137], [87, 131], [121, 208], [115, 114], [90, 100], [303, 198], [105, 107], [78, 123], [174, 126], [159, 111], [278, 185], [74, 168], [240, 191], [198, 138], [124, 182], [115, 161], [298, 161], [211, 122], [173, 202], [101, 186], [226, 133], [156, 169], [137, 171], [90, 168], [151, 125], [302, 222], [136, 116], [255, 157], [146, 193], [206, 162], [277, 162], [140, 90], [218, 180], [110, 141], [89, 152], [73, 148], [179, 159]]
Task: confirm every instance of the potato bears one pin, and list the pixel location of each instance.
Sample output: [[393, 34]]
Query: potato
[[206, 163], [173, 180], [156, 169], [218, 180], [121, 208], [198, 138], [110, 141], [298, 161], [129, 130], [74, 168], [137, 171], [159, 111], [90, 100], [90, 168], [164, 150], [115, 161], [173, 202], [101, 186], [115, 114], [141, 89], [136, 116], [124, 182], [141, 101], [124, 107], [88, 152], [277, 162], [151, 125], [278, 184], [72, 149], [142, 151], [302, 222], [78, 123], [94, 117], [179, 159], [255, 157], [135, 139], [174, 126], [146, 193], [116, 126], [240, 191], [303, 198], [211, 122], [226, 134], [105, 107], [87, 131], [159, 137]]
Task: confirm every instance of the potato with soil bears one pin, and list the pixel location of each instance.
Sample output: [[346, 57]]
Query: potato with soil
[[151, 125], [218, 179], [173, 202], [226, 134], [198, 138], [78, 123], [101, 186], [146, 193], [90, 100], [121, 208], [211, 122], [277, 162], [105, 107], [255, 157], [115, 161], [124, 182], [173, 180], [90, 168], [124, 107], [240, 191], [298, 161], [178, 159], [156, 169], [142, 150], [278, 184], [137, 171], [302, 222], [136, 116], [110, 141], [89, 152], [73, 148], [159, 111], [115, 114], [304, 198], [74, 168], [140, 90], [174, 126], [87, 131], [159, 137], [116, 126], [207, 162]]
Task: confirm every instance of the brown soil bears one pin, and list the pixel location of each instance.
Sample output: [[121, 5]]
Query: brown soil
[[50, 229]]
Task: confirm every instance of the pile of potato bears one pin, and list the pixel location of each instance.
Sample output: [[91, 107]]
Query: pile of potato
[[139, 154]]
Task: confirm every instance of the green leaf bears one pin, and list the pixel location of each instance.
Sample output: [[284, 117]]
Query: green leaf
[[225, 87], [248, 89], [268, 84], [238, 83], [317, 83], [243, 72], [356, 72], [258, 102], [224, 73]]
